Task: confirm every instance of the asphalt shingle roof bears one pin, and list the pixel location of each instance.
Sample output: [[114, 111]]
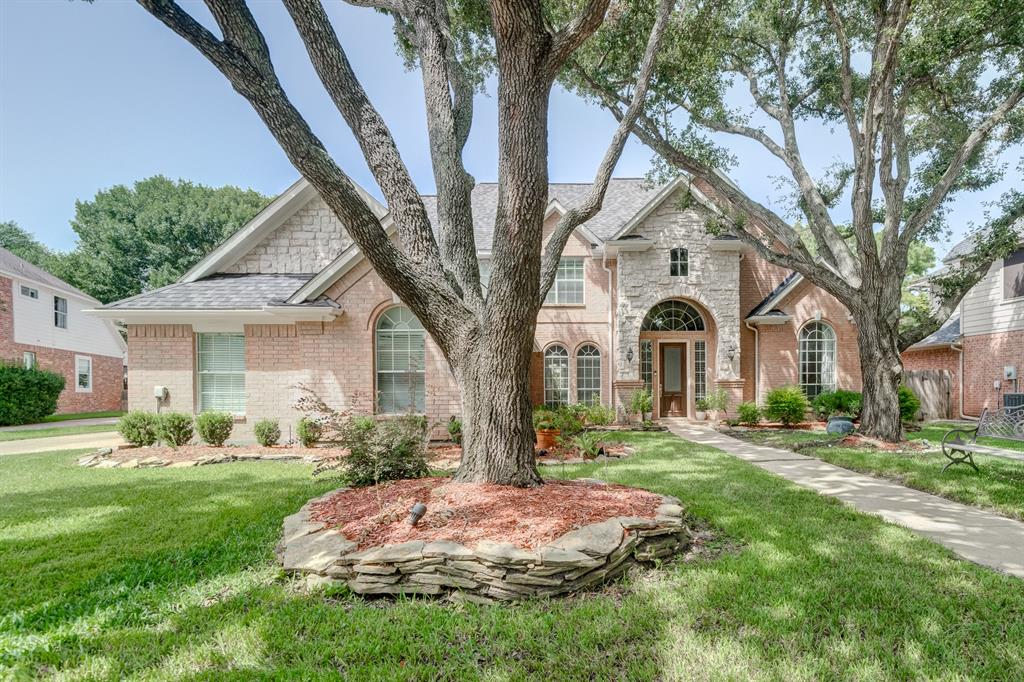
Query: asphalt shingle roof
[[944, 335], [19, 267], [220, 292], [967, 245], [765, 307]]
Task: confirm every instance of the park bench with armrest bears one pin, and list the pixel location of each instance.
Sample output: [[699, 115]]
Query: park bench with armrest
[[960, 445]]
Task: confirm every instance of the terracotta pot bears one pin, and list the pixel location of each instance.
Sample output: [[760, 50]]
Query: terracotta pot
[[546, 438]]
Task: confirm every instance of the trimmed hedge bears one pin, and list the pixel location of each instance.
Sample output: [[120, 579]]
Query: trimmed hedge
[[176, 428], [267, 432], [909, 404], [786, 405], [214, 427], [838, 402], [308, 431], [27, 395], [139, 428], [749, 413]]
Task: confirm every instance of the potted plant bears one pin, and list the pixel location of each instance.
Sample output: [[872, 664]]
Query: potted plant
[[545, 424], [641, 403], [717, 401], [702, 409]]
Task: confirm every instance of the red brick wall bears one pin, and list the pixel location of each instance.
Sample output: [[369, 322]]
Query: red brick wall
[[938, 358], [161, 355], [107, 372], [985, 356]]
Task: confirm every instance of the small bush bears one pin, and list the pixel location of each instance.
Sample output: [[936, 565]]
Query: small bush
[[909, 404], [27, 395], [718, 400], [839, 402], [599, 415], [267, 432], [308, 432], [139, 428], [176, 428], [588, 444], [214, 427], [749, 413], [786, 405], [568, 422], [701, 404], [455, 430], [641, 402], [545, 419], [386, 450]]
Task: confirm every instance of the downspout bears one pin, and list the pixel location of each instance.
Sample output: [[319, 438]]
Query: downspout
[[757, 360], [611, 327], [960, 351]]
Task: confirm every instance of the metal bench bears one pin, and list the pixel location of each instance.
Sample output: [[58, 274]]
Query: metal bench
[[959, 445]]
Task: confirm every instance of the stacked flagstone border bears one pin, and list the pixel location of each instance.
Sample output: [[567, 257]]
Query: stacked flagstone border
[[101, 459], [489, 571]]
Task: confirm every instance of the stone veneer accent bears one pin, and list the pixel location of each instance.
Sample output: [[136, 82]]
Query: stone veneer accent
[[491, 571]]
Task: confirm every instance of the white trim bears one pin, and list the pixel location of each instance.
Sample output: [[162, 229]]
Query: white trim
[[268, 314], [78, 388], [726, 245], [284, 206], [774, 300]]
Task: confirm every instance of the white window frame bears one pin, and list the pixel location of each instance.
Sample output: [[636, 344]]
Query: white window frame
[[203, 375], [556, 296], [588, 374], [556, 388], [823, 346], [29, 359], [1005, 272], [78, 372], [29, 292], [412, 332], [677, 263], [60, 313]]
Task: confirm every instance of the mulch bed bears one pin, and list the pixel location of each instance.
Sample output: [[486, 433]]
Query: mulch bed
[[446, 456], [468, 513]]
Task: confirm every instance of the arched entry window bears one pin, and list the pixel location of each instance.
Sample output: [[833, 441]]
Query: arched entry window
[[588, 374], [556, 376], [401, 363], [817, 359], [673, 316]]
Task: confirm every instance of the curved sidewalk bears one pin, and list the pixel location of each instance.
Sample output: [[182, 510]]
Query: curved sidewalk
[[977, 535], [103, 439]]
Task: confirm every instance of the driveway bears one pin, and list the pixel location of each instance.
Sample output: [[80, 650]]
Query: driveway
[[73, 442], [97, 421]]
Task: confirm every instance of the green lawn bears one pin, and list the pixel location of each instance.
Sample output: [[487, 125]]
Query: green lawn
[[169, 574], [25, 434], [82, 415], [999, 485]]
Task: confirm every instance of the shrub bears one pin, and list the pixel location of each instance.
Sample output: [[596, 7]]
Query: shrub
[[308, 432], [786, 404], [176, 428], [386, 450], [599, 415], [749, 413], [27, 395], [701, 404], [718, 400], [267, 432], [139, 428], [545, 419], [568, 422], [214, 427], [587, 443], [909, 404], [455, 430], [838, 402], [641, 402]]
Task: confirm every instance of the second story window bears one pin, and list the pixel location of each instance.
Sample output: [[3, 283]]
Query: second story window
[[679, 262], [568, 286], [1013, 275], [60, 312], [29, 291]]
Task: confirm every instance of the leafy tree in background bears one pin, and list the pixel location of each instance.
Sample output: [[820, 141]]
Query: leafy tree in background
[[22, 244], [923, 95], [132, 239]]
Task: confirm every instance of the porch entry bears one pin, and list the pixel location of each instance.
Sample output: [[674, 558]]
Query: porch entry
[[672, 372]]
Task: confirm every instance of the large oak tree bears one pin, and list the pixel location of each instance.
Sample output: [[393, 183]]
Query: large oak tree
[[926, 94], [486, 338]]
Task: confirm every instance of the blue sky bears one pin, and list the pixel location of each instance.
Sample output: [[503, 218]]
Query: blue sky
[[94, 95]]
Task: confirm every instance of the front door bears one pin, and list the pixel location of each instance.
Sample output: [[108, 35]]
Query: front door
[[673, 379]]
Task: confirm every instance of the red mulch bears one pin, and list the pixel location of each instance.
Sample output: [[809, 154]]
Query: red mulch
[[468, 513], [446, 456], [190, 452], [858, 441]]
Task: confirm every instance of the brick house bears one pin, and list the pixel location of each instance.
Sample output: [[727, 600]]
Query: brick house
[[981, 346], [644, 297], [42, 325]]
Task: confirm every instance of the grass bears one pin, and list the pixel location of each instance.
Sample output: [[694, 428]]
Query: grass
[[82, 415], [169, 574], [27, 434], [998, 486]]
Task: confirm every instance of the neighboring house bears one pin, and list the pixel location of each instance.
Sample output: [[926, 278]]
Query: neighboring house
[[42, 325], [982, 344], [643, 296]]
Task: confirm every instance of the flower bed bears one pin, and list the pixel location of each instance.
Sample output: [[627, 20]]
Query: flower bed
[[480, 542]]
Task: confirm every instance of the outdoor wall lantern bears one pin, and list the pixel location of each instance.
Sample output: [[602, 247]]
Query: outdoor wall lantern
[[731, 352], [629, 354], [416, 513]]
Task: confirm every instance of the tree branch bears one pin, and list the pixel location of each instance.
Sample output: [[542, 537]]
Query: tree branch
[[566, 41]]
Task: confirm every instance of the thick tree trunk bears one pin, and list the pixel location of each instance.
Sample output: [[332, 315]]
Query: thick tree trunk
[[497, 423], [881, 370]]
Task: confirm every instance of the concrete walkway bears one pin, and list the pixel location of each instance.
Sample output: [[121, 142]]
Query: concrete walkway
[[976, 535], [67, 424], [73, 442]]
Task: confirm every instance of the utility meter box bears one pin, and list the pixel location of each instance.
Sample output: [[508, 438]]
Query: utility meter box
[[160, 392], [1009, 373]]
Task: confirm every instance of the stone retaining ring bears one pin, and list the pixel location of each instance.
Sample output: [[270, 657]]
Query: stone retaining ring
[[491, 571], [101, 459]]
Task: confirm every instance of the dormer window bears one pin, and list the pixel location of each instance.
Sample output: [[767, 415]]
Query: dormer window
[[679, 262]]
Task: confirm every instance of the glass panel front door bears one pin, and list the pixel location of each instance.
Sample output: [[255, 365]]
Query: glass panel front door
[[673, 380]]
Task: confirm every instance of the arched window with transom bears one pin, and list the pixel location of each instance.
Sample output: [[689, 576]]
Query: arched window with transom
[[401, 363], [817, 352], [556, 376], [588, 374], [673, 316]]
